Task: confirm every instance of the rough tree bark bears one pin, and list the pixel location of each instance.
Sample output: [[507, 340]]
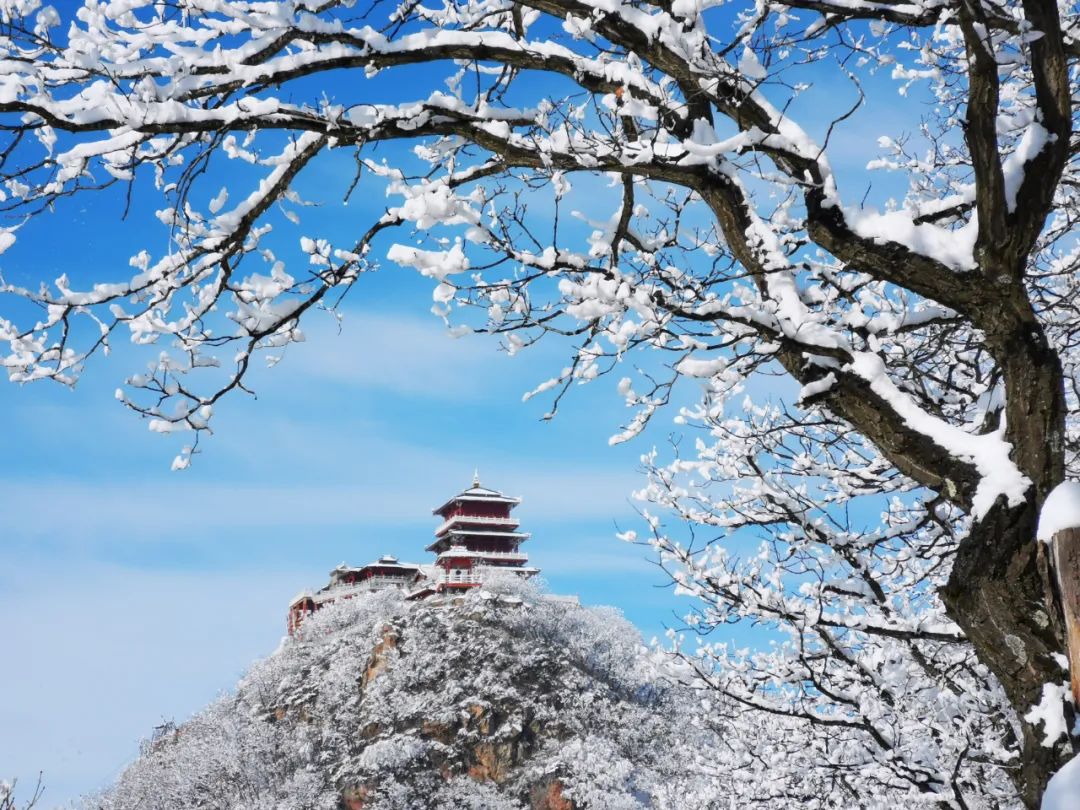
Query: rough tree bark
[[1001, 590], [1001, 594]]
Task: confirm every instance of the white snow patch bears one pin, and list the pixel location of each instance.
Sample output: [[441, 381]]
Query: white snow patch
[[695, 367], [1063, 792], [1060, 511], [750, 67], [435, 264], [817, 387], [219, 201], [953, 248], [1031, 144], [989, 452], [1048, 711]]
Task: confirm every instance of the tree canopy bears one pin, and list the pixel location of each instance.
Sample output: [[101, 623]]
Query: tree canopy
[[931, 339]]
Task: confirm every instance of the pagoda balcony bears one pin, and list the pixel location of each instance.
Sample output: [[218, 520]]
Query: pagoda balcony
[[458, 538], [480, 519], [504, 555], [458, 577], [461, 551]]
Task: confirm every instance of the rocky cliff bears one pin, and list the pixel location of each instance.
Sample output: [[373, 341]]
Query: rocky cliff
[[506, 699]]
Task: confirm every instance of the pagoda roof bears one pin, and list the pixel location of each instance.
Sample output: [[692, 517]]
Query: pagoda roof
[[301, 597], [386, 561], [486, 533], [424, 583], [459, 551], [477, 493]]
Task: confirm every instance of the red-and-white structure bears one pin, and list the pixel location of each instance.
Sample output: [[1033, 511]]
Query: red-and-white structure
[[346, 582], [477, 537]]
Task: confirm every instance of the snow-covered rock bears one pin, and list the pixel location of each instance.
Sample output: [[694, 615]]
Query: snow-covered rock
[[498, 701]]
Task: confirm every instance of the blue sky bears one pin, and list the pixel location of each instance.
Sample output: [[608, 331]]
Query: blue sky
[[134, 594], [139, 594]]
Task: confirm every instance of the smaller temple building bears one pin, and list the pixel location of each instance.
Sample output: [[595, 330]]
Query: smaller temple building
[[346, 582], [477, 537]]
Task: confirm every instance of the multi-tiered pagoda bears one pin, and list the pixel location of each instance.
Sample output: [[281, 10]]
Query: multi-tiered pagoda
[[478, 537]]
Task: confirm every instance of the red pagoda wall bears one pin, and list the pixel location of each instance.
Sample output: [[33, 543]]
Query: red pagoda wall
[[472, 508]]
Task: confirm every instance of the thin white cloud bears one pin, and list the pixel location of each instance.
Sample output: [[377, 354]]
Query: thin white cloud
[[400, 353], [143, 510]]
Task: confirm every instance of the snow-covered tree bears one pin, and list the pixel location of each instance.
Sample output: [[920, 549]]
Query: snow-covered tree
[[9, 800], [885, 692], [930, 342]]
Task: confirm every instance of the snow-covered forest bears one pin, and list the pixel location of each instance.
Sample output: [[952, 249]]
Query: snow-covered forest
[[872, 370]]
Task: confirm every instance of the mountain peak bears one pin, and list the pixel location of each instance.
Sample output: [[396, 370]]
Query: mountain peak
[[505, 698]]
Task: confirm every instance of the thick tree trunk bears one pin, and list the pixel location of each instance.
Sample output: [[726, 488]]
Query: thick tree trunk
[[999, 593], [1002, 590]]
